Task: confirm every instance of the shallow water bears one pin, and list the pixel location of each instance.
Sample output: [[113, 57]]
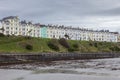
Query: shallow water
[[97, 69]]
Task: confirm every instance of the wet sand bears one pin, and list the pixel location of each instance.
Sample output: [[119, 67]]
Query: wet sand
[[99, 69], [28, 75]]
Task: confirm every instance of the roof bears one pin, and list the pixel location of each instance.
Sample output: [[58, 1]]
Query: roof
[[10, 17]]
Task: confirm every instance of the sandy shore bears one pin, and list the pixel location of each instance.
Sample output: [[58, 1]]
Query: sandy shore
[[28, 75], [100, 69]]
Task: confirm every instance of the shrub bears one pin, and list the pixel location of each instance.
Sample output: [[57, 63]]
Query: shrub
[[26, 45], [28, 37], [53, 44], [91, 43], [29, 47], [8, 35], [96, 44], [2, 35], [115, 48], [101, 43], [76, 45], [83, 49], [71, 49], [64, 43], [106, 50]]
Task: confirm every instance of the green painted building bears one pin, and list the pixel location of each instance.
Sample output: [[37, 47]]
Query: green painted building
[[43, 31]]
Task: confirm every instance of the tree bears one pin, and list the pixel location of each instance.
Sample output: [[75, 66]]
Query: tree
[[67, 36]]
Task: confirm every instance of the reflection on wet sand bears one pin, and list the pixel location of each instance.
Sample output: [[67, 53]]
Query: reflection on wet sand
[[100, 69]]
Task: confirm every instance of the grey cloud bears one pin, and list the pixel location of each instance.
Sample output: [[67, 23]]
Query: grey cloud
[[68, 12], [110, 12]]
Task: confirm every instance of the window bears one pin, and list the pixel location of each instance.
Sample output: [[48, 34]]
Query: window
[[23, 29], [23, 33], [37, 30], [7, 23], [7, 32], [7, 27]]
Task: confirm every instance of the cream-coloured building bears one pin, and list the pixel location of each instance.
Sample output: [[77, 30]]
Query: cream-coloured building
[[13, 26]]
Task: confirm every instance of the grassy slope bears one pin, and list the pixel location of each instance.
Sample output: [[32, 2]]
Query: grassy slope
[[13, 44]]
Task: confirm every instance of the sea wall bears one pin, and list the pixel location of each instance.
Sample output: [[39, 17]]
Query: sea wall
[[15, 58]]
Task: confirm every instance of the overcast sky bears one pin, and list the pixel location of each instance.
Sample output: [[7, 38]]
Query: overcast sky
[[96, 14]]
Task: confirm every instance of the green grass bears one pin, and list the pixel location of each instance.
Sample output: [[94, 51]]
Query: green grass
[[16, 45]]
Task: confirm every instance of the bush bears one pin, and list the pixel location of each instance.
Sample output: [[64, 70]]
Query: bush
[[76, 45], [96, 44], [115, 48], [26, 45], [53, 44], [29, 47], [2, 35], [83, 49], [106, 50], [90, 44], [71, 49], [28, 37], [101, 43], [64, 43], [8, 35]]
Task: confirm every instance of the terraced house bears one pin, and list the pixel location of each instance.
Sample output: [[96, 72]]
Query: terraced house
[[13, 26]]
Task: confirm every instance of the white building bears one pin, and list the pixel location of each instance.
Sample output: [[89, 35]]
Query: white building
[[118, 38], [13, 26]]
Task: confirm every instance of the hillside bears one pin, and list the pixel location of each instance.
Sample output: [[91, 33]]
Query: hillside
[[14, 44]]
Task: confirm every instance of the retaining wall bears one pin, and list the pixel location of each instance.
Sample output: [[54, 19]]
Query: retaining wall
[[14, 58]]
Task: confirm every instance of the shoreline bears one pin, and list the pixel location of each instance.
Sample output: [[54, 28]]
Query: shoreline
[[46, 57], [100, 68]]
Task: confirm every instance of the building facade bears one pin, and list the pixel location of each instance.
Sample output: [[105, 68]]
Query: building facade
[[118, 38], [13, 26], [44, 31]]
